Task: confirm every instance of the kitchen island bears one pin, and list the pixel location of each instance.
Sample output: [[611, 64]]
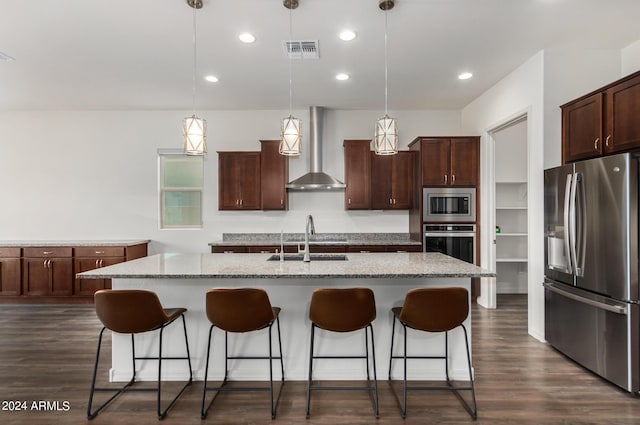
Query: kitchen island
[[182, 280]]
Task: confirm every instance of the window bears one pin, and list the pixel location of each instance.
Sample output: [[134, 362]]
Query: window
[[180, 182]]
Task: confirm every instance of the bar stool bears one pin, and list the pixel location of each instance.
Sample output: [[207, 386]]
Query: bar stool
[[240, 310], [433, 310], [343, 310], [133, 312]]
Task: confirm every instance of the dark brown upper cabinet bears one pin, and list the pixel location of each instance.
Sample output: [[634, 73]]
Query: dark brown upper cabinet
[[274, 174], [451, 161], [602, 122], [392, 181], [357, 174], [239, 181]]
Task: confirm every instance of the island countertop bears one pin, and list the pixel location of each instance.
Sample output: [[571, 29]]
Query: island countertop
[[243, 266]]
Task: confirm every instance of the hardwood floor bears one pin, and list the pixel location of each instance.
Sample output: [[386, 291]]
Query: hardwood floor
[[47, 353]]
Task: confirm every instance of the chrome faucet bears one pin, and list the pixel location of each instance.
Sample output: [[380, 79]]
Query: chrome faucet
[[309, 228]]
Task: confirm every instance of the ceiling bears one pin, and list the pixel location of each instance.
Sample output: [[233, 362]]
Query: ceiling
[[123, 54]]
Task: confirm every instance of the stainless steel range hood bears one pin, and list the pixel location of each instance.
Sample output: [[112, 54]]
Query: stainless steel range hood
[[315, 179]]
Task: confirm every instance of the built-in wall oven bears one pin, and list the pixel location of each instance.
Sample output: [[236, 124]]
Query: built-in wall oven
[[449, 204], [455, 240]]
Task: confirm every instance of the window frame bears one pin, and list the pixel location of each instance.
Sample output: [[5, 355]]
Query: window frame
[[162, 190]]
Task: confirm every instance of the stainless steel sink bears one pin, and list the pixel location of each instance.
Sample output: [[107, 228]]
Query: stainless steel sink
[[314, 257]]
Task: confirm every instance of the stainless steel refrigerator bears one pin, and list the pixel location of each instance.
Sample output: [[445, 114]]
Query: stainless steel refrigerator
[[591, 266]]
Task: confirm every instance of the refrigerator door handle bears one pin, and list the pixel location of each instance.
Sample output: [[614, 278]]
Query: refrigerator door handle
[[582, 236], [604, 306], [572, 223], [567, 233]]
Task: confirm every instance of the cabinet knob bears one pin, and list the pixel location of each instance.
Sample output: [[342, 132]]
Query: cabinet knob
[[606, 142], [390, 201], [349, 201], [595, 143], [445, 179], [47, 252], [453, 179], [99, 252]]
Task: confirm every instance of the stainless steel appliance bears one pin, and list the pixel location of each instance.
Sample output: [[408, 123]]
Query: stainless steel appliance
[[591, 266], [455, 240], [449, 204]]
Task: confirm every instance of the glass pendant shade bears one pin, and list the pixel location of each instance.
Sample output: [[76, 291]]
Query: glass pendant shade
[[195, 135], [291, 136], [386, 136]]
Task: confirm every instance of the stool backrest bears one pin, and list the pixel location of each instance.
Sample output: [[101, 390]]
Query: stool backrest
[[239, 309], [342, 309], [130, 310], [435, 309]]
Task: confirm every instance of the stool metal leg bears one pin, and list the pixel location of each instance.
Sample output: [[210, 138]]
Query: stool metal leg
[[128, 385], [163, 413], [373, 388], [402, 404], [313, 328], [375, 377], [274, 400]]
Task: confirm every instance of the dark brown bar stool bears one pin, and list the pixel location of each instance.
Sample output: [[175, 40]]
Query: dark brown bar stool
[[433, 310], [343, 310], [133, 312], [242, 310]]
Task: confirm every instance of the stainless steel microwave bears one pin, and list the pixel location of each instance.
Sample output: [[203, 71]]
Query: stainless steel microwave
[[449, 204]]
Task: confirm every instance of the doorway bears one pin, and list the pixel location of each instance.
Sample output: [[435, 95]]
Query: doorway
[[508, 203]]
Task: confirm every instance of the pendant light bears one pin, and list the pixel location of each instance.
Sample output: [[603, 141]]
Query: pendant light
[[194, 128], [386, 132], [291, 130]]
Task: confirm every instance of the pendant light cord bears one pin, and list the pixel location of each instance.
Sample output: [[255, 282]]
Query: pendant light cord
[[386, 72], [193, 82], [290, 66]]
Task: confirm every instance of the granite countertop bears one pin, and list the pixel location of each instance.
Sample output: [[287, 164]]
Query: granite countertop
[[206, 266], [257, 239], [100, 242]]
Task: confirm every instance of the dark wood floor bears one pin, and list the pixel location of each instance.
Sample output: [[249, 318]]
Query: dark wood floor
[[47, 353]]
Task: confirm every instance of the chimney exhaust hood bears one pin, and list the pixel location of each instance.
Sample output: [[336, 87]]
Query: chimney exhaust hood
[[316, 179]]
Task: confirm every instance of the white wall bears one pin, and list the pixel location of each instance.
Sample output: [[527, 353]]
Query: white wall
[[630, 60], [93, 174], [518, 93]]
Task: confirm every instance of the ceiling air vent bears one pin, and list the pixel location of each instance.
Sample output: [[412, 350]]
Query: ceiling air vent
[[301, 49]]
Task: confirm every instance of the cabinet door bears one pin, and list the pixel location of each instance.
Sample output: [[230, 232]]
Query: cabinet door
[[357, 174], [464, 162], [623, 110], [35, 276], [582, 129], [249, 180], [61, 276], [9, 276], [274, 173], [238, 180], [381, 192], [402, 180], [435, 162], [90, 286], [228, 174]]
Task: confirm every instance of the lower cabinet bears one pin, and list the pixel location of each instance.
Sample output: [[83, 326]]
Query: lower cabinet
[[47, 271], [90, 258], [10, 273]]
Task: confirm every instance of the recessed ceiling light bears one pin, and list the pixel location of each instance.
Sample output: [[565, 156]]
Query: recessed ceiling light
[[211, 78], [465, 76], [246, 37], [347, 35], [342, 76]]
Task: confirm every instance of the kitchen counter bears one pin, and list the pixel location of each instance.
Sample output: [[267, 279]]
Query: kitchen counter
[[182, 280], [99, 242], [252, 266], [270, 239]]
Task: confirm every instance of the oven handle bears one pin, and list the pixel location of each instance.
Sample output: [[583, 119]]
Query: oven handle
[[450, 234]]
